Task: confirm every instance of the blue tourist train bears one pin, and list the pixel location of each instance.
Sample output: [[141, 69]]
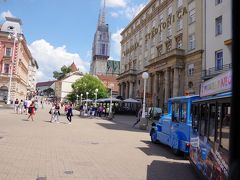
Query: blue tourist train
[[174, 128]]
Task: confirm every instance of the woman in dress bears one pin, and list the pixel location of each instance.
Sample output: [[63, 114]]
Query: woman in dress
[[31, 111]]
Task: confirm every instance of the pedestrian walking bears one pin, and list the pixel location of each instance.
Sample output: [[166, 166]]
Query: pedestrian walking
[[16, 103], [57, 112], [36, 105], [138, 117], [69, 114], [31, 111], [51, 111], [20, 107], [42, 104]]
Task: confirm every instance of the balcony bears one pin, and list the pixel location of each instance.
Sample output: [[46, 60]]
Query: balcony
[[174, 52], [130, 72], [214, 71]]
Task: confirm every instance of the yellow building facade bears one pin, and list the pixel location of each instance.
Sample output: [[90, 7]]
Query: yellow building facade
[[166, 40]]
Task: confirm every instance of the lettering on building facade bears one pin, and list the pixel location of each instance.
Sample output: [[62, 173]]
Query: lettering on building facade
[[163, 25], [132, 48]]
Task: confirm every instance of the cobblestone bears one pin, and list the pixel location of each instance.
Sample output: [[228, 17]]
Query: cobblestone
[[89, 148]]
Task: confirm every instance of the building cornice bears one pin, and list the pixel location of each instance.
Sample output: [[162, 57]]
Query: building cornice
[[146, 20]]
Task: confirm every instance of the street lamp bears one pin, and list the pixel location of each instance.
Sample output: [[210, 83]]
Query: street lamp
[[110, 109], [145, 76], [96, 91], [77, 99], [81, 98], [143, 123], [87, 99], [16, 37]]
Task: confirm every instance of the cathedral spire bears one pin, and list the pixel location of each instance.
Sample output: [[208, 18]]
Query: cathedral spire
[[102, 14]]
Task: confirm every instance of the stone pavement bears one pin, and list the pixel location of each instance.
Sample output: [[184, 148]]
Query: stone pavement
[[89, 148]]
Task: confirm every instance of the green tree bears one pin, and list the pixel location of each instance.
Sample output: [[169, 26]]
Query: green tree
[[72, 97], [89, 83], [60, 75]]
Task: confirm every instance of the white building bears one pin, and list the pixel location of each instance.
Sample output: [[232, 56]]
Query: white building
[[33, 66], [43, 86], [217, 38], [63, 87]]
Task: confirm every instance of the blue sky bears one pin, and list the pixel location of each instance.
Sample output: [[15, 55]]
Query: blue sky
[[59, 32]]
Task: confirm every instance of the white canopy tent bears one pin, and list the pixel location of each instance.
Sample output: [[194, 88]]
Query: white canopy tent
[[109, 100], [87, 100], [131, 100]]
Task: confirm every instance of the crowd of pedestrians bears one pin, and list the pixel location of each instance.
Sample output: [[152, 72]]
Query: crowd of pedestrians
[[30, 107], [55, 112], [91, 110]]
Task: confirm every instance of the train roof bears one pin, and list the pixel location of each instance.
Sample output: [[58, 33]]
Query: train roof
[[192, 97], [217, 96]]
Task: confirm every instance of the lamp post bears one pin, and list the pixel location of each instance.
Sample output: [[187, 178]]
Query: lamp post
[[77, 99], [87, 98], [16, 37], [110, 109], [96, 91], [81, 98], [145, 76]]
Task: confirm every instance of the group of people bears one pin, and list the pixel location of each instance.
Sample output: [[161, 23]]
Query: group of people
[[94, 111], [26, 107], [31, 106], [55, 112], [21, 106]]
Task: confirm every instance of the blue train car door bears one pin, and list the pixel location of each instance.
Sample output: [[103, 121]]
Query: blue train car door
[[181, 125]]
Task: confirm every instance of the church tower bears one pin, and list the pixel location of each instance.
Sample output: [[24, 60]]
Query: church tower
[[101, 45]]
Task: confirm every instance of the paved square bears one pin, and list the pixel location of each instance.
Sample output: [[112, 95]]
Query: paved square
[[86, 149]]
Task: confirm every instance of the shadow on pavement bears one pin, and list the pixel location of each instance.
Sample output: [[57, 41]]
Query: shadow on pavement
[[158, 150], [120, 127], [166, 170]]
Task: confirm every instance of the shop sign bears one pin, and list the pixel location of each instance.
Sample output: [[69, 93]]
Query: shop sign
[[219, 84]]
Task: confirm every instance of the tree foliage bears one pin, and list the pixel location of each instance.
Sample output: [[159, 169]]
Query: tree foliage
[[60, 75], [89, 83], [72, 97]]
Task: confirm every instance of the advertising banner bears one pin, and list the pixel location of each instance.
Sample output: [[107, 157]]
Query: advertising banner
[[219, 84]]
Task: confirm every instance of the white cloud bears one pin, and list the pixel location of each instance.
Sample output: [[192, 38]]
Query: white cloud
[[116, 3], [114, 14], [116, 38], [52, 58], [130, 12], [6, 14]]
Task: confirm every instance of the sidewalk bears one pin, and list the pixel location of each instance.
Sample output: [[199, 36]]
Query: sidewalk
[[89, 148]]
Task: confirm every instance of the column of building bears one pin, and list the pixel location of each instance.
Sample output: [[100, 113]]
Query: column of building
[[176, 82], [166, 85], [130, 89], [155, 88]]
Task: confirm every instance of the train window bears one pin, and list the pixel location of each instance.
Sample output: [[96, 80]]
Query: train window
[[218, 115], [183, 112], [203, 119], [225, 131], [175, 112], [194, 116], [211, 129]]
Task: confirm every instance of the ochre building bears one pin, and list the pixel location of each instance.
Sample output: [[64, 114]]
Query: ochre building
[[166, 40]]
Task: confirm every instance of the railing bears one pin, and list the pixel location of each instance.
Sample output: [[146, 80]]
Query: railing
[[173, 52], [211, 72], [129, 72]]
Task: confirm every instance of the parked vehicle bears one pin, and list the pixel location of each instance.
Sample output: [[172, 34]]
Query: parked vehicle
[[153, 112], [173, 129]]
